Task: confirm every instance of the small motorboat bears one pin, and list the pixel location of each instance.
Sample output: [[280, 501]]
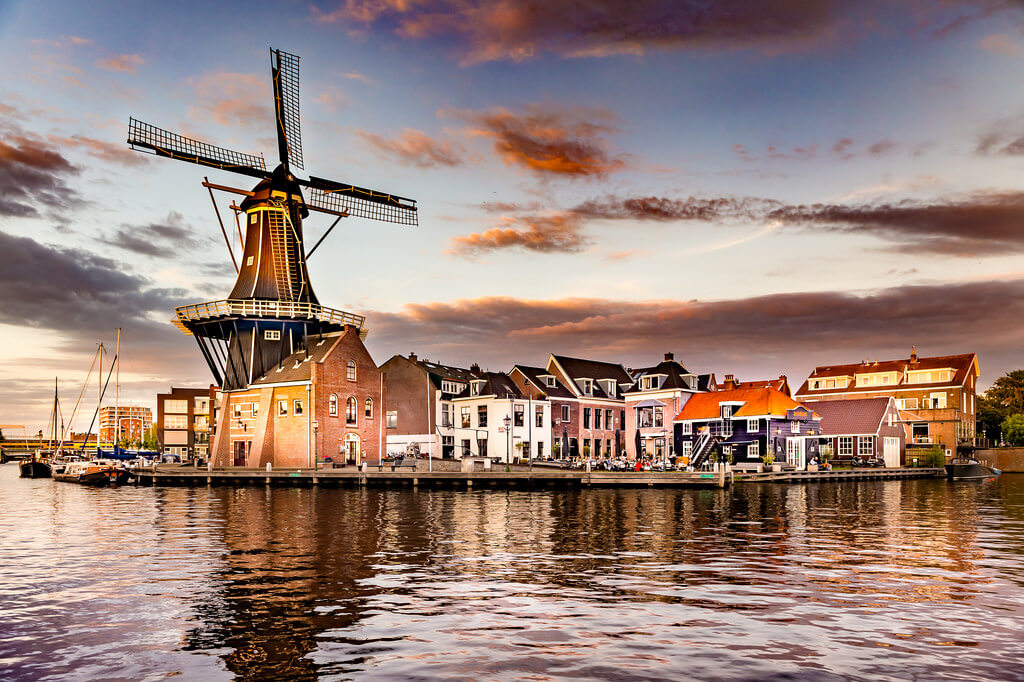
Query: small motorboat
[[964, 468], [96, 472]]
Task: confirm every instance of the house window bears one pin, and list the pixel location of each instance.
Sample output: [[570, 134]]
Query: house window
[[236, 411], [586, 447], [255, 409], [368, 408], [622, 417], [608, 419], [565, 413], [392, 419], [465, 448], [351, 370], [830, 383], [597, 418], [845, 446], [332, 405], [687, 448], [727, 428], [481, 446], [282, 408], [549, 382], [754, 449], [648, 383], [481, 416], [464, 412], [609, 388], [816, 384], [175, 421], [753, 425], [588, 386], [726, 411], [794, 427], [538, 419], [865, 446], [517, 415], [272, 335], [526, 449], [298, 407], [540, 449], [659, 416], [586, 417], [446, 415], [687, 428], [474, 388], [938, 401], [350, 411]]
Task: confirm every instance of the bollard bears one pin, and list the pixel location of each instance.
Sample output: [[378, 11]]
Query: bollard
[[269, 467]]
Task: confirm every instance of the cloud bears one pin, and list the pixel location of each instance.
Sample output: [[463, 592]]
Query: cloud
[[233, 99], [1002, 44], [168, 238], [103, 150], [756, 336], [518, 30], [553, 232], [416, 148], [550, 142], [34, 174], [845, 148], [124, 63], [1004, 137], [980, 224]]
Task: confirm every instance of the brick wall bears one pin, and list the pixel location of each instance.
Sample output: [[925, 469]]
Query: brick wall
[[331, 377]]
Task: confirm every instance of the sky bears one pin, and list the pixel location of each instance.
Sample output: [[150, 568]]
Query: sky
[[758, 187]]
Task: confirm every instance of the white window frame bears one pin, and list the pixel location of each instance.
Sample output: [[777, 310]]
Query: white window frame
[[869, 450], [566, 414], [687, 428], [753, 425], [794, 427], [272, 335], [350, 370], [754, 449], [282, 408], [840, 450], [687, 448]]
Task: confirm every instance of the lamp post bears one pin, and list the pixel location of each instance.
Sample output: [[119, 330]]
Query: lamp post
[[508, 438], [316, 427]]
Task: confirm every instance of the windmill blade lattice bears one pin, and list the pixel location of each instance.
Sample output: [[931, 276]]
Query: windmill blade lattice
[[287, 76], [174, 146], [338, 198]]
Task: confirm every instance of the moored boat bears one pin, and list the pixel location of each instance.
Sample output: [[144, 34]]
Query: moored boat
[[96, 472], [964, 468], [35, 467]]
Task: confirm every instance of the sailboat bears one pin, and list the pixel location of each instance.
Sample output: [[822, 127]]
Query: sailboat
[[38, 464]]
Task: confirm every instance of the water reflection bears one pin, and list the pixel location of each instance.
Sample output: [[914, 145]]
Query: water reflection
[[860, 580]]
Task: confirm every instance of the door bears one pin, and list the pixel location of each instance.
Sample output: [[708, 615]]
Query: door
[[352, 449], [239, 457], [891, 451], [795, 452]]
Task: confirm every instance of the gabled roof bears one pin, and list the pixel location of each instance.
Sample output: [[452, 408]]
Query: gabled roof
[[533, 375], [493, 383], [781, 384], [579, 368], [755, 402], [675, 376], [960, 364], [852, 416], [295, 367], [706, 382]]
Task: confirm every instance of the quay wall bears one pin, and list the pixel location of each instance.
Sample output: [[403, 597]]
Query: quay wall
[[1010, 460]]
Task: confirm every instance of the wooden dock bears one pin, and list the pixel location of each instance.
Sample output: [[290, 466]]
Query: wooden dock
[[538, 478]]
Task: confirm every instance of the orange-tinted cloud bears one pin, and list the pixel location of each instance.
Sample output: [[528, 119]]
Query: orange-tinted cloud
[[416, 148], [518, 30], [233, 99], [125, 63], [550, 142], [101, 149], [554, 232]]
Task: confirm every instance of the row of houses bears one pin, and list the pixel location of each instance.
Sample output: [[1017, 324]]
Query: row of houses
[[331, 402]]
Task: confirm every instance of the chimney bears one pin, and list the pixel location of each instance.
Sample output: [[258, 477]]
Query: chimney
[[729, 383], [913, 355], [670, 357], [474, 368], [412, 357]]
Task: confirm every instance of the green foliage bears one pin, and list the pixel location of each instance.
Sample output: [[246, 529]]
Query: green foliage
[[768, 460], [149, 441], [990, 414], [934, 456], [586, 451], [1013, 429], [1008, 391]]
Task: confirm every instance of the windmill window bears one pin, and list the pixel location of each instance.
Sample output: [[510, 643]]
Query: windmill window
[[332, 405], [368, 408], [282, 408], [252, 218], [248, 261], [350, 411], [351, 370], [272, 335], [298, 407]]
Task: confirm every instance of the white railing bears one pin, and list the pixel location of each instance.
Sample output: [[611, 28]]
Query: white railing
[[258, 308]]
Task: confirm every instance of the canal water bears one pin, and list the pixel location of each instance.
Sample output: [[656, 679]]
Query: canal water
[[859, 580]]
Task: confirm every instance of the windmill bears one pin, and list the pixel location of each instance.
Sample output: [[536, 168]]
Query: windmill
[[272, 310]]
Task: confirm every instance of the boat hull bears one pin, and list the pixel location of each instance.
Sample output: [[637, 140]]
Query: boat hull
[[34, 469], [969, 470], [100, 478]]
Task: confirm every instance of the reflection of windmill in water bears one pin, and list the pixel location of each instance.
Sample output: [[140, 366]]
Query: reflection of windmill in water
[[272, 310]]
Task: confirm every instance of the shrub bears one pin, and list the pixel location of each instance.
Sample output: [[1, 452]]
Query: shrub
[[1013, 429]]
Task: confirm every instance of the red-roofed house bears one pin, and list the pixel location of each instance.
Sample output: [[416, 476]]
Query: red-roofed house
[[781, 384], [747, 423], [864, 429]]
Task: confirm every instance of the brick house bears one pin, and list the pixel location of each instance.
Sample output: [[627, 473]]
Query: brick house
[[183, 422], [537, 383], [863, 428], [480, 414], [594, 420], [130, 422], [657, 395], [781, 384], [938, 394], [420, 414], [746, 424], [326, 403]]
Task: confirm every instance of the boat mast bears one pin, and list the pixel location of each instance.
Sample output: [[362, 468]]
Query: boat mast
[[99, 401], [117, 392]]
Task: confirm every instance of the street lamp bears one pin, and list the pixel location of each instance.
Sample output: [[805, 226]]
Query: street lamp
[[508, 438]]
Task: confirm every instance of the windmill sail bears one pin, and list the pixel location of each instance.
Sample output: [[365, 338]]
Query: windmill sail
[[174, 146], [285, 72], [338, 198]]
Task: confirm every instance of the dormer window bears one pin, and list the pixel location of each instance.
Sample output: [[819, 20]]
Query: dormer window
[[648, 383], [727, 411], [474, 388], [609, 387], [550, 382], [588, 386]]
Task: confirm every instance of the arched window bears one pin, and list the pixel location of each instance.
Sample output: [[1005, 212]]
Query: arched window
[[350, 411], [369, 408], [351, 370], [332, 405]]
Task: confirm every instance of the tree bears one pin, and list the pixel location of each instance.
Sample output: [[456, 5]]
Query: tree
[[990, 415], [1013, 429], [1008, 391]]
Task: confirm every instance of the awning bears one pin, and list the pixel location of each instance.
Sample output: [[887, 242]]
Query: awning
[[650, 403]]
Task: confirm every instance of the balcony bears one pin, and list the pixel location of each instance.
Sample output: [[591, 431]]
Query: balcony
[[187, 315]]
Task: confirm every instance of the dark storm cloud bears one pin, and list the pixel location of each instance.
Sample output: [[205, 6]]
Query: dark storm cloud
[[764, 334], [167, 238], [518, 30], [34, 177]]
